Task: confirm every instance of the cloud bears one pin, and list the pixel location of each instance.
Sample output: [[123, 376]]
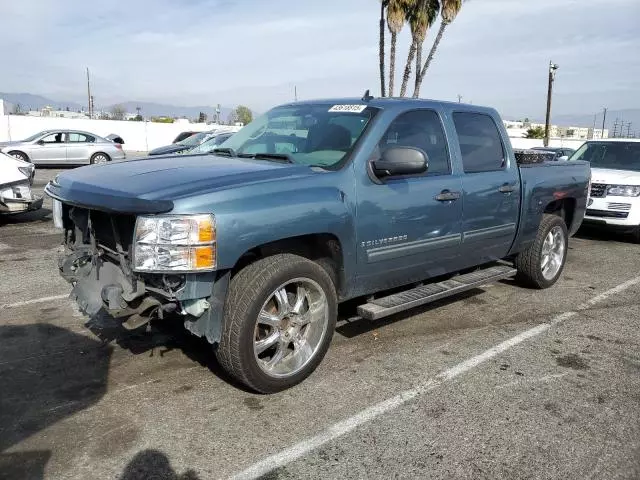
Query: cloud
[[254, 52]]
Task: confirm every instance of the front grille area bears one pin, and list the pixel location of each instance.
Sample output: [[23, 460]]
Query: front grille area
[[625, 207], [606, 214], [102, 226], [598, 190]]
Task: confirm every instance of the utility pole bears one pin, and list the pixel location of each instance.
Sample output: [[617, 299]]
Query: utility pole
[[615, 128], [552, 75], [89, 98], [604, 118], [459, 98], [628, 129], [295, 92]]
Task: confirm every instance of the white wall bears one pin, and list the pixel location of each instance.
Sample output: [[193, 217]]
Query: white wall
[[145, 136], [519, 142], [138, 136]]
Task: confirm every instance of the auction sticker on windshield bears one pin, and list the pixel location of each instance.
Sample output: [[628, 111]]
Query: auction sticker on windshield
[[348, 108]]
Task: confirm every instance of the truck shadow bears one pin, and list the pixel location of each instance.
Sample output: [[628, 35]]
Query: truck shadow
[[160, 338], [48, 374], [603, 235]]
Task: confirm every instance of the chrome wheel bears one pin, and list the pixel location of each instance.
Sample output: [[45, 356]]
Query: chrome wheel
[[552, 253], [100, 158], [291, 327]]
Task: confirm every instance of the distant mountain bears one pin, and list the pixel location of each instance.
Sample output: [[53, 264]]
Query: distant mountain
[[148, 109], [28, 101]]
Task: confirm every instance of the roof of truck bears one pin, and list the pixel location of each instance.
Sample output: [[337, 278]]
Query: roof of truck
[[386, 102]]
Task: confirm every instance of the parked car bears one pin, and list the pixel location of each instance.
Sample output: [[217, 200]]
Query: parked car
[[183, 135], [309, 205], [561, 153], [209, 145], [183, 145], [64, 147], [16, 178], [614, 200]]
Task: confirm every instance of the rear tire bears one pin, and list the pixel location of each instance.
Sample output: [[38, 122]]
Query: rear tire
[[540, 265], [19, 156], [99, 157], [307, 325]]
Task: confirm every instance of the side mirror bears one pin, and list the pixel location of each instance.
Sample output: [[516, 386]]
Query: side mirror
[[40, 142], [400, 161]]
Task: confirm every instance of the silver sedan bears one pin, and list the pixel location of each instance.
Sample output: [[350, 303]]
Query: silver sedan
[[59, 147]]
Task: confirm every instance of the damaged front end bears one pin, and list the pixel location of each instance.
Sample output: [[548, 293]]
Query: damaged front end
[[123, 264], [16, 179]]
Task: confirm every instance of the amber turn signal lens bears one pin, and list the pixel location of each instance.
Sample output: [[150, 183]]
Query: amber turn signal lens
[[204, 257], [206, 230]]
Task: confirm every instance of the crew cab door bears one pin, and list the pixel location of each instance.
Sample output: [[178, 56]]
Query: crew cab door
[[407, 230], [491, 188]]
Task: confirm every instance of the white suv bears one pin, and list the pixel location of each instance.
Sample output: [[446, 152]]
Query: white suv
[[615, 183]]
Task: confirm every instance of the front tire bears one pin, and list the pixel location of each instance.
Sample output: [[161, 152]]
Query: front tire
[[279, 317], [540, 265], [19, 155]]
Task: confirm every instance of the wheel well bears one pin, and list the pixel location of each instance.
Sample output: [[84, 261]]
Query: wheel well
[[322, 247], [18, 151], [564, 208]]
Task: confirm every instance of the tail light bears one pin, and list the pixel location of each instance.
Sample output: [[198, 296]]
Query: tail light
[[118, 146]]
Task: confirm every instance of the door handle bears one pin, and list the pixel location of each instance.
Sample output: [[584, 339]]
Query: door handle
[[447, 196], [506, 188]]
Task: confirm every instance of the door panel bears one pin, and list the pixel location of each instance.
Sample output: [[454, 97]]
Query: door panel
[[405, 233], [78, 145], [52, 150], [491, 189]]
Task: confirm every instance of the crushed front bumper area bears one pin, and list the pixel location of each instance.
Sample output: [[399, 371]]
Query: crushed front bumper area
[[96, 262], [18, 198]]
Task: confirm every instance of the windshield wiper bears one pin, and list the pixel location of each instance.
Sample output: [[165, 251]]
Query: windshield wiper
[[224, 151], [284, 157]]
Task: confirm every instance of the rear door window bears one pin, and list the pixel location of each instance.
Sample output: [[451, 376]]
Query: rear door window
[[480, 142], [80, 138]]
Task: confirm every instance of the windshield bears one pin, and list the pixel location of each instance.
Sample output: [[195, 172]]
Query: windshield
[[195, 139], [614, 155], [33, 137], [210, 144], [309, 134]]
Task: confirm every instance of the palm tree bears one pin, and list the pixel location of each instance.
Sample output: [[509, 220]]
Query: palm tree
[[396, 16], [450, 10], [420, 16], [427, 15], [383, 5]]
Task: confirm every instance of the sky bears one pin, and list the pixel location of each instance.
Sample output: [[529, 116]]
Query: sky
[[253, 52]]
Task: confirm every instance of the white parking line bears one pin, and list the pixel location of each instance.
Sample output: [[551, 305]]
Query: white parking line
[[35, 300], [339, 429]]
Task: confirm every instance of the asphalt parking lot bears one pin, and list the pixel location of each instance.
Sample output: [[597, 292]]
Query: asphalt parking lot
[[502, 382]]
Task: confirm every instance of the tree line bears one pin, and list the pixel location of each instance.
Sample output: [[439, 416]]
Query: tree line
[[420, 15]]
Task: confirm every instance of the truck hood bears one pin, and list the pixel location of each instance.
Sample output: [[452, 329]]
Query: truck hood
[[615, 177], [150, 185]]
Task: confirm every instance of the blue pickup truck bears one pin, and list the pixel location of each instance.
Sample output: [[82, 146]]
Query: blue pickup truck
[[392, 201]]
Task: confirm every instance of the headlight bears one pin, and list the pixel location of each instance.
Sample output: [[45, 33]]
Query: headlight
[[174, 243], [624, 190], [26, 170]]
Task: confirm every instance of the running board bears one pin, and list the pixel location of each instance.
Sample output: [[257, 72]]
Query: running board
[[398, 302]]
